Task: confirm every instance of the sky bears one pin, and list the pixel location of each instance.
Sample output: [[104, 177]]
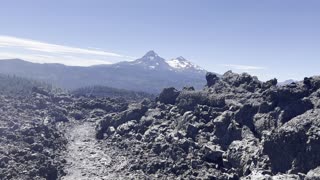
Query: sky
[[267, 38]]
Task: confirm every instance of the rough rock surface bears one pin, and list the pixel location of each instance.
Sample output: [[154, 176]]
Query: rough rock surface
[[30, 141], [89, 158], [235, 128], [168, 95], [50, 135]]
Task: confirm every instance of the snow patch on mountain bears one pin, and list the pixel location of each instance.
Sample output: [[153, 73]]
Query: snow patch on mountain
[[175, 63], [152, 61], [151, 57], [181, 63]]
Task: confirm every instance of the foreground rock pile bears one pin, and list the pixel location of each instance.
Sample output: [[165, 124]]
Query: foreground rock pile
[[30, 142], [236, 127], [33, 128]]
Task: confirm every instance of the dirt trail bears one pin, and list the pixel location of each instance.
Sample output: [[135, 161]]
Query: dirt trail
[[87, 158]]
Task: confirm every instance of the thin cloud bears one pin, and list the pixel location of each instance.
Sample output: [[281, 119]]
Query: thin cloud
[[243, 67], [7, 41], [42, 52]]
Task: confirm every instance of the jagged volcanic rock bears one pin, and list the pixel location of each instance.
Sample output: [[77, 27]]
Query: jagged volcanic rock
[[236, 127], [33, 125]]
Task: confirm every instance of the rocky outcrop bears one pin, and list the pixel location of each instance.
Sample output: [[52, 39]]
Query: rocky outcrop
[[134, 112], [236, 127], [188, 100], [211, 79], [295, 146], [168, 95]]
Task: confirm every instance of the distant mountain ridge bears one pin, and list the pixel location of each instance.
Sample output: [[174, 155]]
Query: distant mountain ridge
[[150, 60], [153, 61], [150, 73]]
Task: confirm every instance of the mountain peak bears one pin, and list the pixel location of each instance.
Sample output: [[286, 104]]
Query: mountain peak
[[180, 58], [150, 55], [153, 61]]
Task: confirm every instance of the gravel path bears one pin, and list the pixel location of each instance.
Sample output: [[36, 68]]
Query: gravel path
[[87, 158]]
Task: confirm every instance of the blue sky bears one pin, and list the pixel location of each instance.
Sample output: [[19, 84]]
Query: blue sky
[[268, 38]]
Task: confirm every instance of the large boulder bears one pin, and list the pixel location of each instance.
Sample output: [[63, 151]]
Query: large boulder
[[312, 83], [264, 122], [245, 156], [192, 131], [134, 112], [244, 116], [226, 129], [270, 83], [212, 154], [295, 146], [211, 79], [244, 80], [286, 94], [168, 95], [294, 109], [188, 100]]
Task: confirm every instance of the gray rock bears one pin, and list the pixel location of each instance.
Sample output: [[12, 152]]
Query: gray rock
[[212, 154], [168, 95], [211, 79], [313, 174], [295, 145], [191, 131]]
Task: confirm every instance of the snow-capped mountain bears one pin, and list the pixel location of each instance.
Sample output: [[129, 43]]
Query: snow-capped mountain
[[181, 64], [153, 61], [150, 60]]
